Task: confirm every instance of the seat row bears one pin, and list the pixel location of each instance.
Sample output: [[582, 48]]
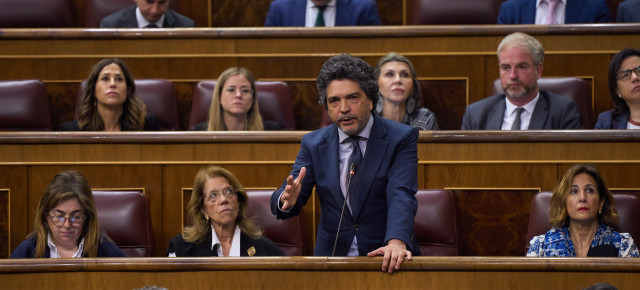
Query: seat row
[[125, 216], [27, 106], [59, 13]]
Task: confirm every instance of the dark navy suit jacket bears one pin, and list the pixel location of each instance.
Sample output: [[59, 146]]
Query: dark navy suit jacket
[[388, 185], [348, 13], [551, 112], [577, 11], [607, 121], [628, 11], [126, 18]]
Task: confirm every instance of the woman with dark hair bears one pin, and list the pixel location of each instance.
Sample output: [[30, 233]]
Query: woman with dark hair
[[399, 97], [584, 219], [220, 223], [624, 89], [234, 104], [66, 223], [109, 102]]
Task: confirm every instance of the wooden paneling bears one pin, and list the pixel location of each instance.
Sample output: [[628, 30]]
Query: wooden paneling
[[492, 173], [13, 204], [458, 63], [320, 273]]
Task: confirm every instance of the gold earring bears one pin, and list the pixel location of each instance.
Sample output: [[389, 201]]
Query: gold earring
[[206, 217], [600, 212]]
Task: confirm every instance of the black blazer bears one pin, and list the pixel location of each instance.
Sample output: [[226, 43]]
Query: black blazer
[[126, 18], [268, 125], [248, 247], [150, 124]]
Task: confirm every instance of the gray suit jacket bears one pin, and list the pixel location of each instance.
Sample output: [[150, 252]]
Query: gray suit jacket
[[628, 11], [126, 18], [552, 112]]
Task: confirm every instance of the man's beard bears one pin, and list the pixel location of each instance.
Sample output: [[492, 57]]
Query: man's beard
[[518, 93]]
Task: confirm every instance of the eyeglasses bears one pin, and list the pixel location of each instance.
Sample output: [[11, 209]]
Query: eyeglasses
[[244, 92], [59, 220], [213, 196], [625, 75]]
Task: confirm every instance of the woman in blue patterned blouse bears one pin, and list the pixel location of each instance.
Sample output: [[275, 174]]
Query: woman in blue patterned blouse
[[584, 218]]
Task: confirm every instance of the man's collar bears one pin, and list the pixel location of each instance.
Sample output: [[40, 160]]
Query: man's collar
[[142, 22], [365, 133]]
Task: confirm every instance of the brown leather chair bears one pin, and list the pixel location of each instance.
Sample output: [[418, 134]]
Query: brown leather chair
[[158, 95], [454, 12], [289, 234], [125, 217], [274, 98], [628, 206], [436, 224], [35, 14], [25, 106], [575, 88], [95, 10]]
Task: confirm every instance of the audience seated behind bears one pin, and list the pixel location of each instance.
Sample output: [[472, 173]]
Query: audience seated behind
[[289, 234], [575, 11], [158, 95], [35, 14], [575, 88], [628, 11], [97, 9], [25, 106], [627, 204], [454, 12], [125, 217], [275, 99], [436, 224]]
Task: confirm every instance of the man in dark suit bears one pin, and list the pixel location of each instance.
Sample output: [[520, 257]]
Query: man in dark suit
[[335, 13], [372, 159], [575, 11], [522, 106], [628, 11], [147, 14]]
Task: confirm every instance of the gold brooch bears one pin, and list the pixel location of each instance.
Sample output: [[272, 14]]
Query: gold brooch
[[251, 251]]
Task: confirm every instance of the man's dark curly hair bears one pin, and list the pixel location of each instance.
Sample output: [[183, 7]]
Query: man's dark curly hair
[[349, 67]]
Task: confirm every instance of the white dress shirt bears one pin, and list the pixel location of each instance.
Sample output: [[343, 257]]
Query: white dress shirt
[[312, 13], [235, 244], [525, 116], [542, 10], [142, 22], [53, 249]]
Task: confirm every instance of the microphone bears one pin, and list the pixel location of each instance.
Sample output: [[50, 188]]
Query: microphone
[[352, 171]]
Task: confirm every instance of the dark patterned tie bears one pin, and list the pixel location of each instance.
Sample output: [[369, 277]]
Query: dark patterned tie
[[354, 163], [320, 18], [517, 121], [151, 25]]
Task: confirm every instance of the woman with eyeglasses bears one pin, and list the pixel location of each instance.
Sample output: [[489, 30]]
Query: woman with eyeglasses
[[624, 89], [66, 223], [234, 104], [220, 224]]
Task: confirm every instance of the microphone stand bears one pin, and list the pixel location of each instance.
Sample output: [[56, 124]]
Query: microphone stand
[[344, 204]]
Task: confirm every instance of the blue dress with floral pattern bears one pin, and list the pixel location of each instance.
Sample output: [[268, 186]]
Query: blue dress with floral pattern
[[557, 243]]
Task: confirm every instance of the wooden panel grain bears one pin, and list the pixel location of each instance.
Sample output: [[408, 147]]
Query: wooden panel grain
[[320, 273], [13, 207], [494, 221]]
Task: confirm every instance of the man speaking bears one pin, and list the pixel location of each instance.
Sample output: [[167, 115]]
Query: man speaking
[[364, 169]]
